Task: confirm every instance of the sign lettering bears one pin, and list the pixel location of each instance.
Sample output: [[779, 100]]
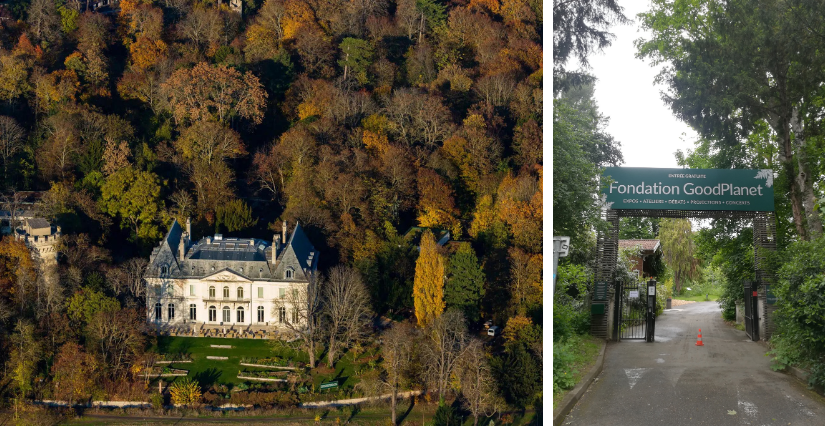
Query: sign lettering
[[688, 189]]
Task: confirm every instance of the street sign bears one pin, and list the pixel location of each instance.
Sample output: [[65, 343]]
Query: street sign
[[329, 385], [638, 188], [600, 291], [770, 298], [561, 245]]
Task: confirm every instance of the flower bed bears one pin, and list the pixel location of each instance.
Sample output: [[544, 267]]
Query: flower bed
[[157, 371], [265, 374], [173, 358]]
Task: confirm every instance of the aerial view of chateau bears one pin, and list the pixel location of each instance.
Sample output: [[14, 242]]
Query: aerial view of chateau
[[196, 286], [247, 211]]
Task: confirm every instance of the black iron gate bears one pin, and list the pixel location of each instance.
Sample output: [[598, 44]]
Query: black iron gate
[[631, 312], [751, 317]]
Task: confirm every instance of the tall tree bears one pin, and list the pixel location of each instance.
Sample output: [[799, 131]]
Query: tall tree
[[397, 353], [11, 142], [215, 92], [445, 339], [723, 78], [478, 387], [428, 287], [580, 28], [676, 236], [347, 308], [302, 310], [465, 282], [134, 197]]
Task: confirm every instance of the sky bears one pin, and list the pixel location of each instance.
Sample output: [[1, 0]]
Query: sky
[[649, 132]]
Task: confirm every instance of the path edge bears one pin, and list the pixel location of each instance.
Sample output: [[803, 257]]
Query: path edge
[[569, 401]]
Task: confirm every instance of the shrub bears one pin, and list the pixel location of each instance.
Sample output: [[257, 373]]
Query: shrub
[[446, 415], [185, 392], [563, 358], [800, 317]]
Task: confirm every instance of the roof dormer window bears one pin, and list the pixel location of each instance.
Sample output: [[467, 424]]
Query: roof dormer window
[[289, 273], [164, 270]]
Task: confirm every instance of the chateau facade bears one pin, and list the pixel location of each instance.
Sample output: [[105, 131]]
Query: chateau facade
[[240, 282]]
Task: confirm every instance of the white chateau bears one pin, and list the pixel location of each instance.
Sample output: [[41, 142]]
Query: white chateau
[[232, 282]]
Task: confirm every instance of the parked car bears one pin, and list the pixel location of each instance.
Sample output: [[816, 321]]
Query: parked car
[[493, 331]]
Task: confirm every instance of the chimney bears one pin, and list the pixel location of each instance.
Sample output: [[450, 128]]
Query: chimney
[[283, 236], [182, 247], [189, 227], [275, 246]]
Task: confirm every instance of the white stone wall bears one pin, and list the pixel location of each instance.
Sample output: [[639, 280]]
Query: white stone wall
[[185, 292]]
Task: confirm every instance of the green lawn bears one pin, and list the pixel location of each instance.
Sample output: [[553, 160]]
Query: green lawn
[[208, 371]]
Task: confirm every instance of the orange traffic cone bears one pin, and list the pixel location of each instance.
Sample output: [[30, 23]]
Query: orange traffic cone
[[699, 339]]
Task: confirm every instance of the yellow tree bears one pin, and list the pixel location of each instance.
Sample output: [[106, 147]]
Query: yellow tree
[[428, 288]]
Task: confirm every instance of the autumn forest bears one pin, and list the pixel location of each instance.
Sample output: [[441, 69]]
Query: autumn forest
[[359, 119]]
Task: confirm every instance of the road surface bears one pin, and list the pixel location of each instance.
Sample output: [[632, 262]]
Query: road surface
[[673, 382]]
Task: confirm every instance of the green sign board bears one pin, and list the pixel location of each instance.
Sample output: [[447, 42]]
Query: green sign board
[[329, 385], [637, 188], [770, 298], [600, 291]]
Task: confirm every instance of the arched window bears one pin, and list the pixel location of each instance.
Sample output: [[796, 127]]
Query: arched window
[[260, 314], [240, 314], [193, 312], [240, 292], [213, 314], [227, 314], [211, 292], [289, 273], [226, 292], [171, 308], [282, 314], [164, 270], [158, 311]]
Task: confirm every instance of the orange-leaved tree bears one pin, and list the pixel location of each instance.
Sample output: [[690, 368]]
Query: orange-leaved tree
[[428, 287]]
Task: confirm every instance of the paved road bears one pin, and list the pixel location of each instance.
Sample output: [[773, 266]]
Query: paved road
[[673, 382]]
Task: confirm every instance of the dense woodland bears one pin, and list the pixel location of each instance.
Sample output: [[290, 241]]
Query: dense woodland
[[357, 119]]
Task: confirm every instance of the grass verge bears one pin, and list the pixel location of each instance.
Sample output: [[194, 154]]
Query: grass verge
[[585, 351]]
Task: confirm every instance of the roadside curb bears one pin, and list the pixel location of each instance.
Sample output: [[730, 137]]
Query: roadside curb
[[574, 395]]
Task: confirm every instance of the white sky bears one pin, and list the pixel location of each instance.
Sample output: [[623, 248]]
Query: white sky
[[649, 133]]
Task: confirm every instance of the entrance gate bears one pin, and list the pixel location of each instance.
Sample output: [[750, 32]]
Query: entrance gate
[[751, 316], [682, 193], [632, 311], [635, 315]]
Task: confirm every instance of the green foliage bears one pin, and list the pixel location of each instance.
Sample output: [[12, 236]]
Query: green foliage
[[638, 228], [563, 359], [86, 303], [518, 374], [134, 197], [800, 317], [678, 248], [433, 11], [68, 19], [570, 308], [234, 216], [465, 282], [356, 57], [446, 415]]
